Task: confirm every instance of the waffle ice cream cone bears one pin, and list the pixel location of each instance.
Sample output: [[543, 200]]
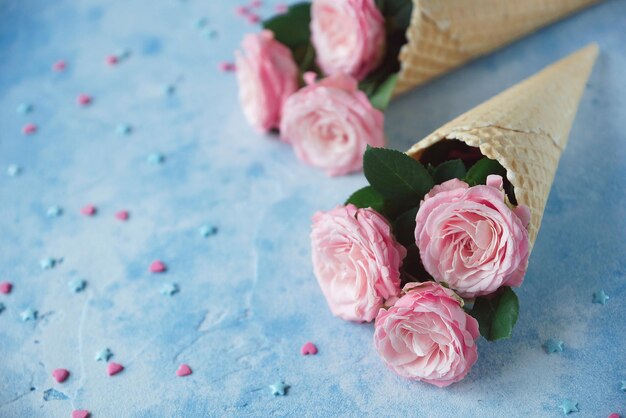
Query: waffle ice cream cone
[[525, 128], [444, 34]]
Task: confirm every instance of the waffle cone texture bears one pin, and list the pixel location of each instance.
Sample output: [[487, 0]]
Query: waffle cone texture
[[525, 128], [444, 34]]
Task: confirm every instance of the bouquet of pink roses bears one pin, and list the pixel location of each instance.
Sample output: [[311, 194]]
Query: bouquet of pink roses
[[431, 249], [368, 50]]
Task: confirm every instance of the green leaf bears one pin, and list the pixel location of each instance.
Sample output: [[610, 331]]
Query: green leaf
[[478, 173], [449, 170], [404, 227], [496, 315], [399, 11], [401, 180], [367, 197], [381, 96], [292, 27]]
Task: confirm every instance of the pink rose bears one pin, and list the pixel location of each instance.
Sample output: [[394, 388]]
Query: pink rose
[[356, 261], [330, 123], [470, 239], [348, 36], [267, 75], [427, 335]]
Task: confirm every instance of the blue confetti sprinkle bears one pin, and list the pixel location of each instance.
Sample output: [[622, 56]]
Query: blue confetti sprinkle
[[54, 395]]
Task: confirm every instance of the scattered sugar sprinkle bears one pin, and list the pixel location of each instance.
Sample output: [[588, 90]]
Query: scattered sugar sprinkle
[[29, 314], [54, 211], [200, 23], [77, 285], [124, 129], [170, 289], [14, 170], [48, 263], [2, 307], [169, 89], [155, 158], [24, 108], [207, 230]]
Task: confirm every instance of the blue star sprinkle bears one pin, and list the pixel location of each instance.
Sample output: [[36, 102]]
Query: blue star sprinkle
[[2, 307], [29, 315], [14, 170], [104, 355], [54, 395], [155, 158], [623, 388], [169, 89], [54, 211], [169, 289], [207, 230], [123, 54], [124, 129], [568, 406], [553, 346], [47, 263], [24, 108], [77, 285], [600, 297], [279, 389], [200, 23], [210, 33]]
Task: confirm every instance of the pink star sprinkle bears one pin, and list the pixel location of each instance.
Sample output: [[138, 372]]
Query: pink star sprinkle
[[183, 370], [114, 368], [122, 215], [88, 210], [59, 66], [60, 375], [29, 129], [6, 287], [157, 266], [253, 19], [241, 10], [84, 99], [281, 8], [308, 348], [80, 413], [112, 60], [225, 66]]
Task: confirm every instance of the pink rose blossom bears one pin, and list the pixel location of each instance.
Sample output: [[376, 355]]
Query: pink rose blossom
[[470, 239], [356, 261], [427, 335], [267, 75], [330, 123], [348, 35]]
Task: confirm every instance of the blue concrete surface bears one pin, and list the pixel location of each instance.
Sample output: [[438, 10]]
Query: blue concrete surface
[[248, 299]]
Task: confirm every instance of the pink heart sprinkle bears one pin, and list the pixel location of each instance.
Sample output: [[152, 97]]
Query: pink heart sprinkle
[[84, 99], [226, 66], [5, 287], [614, 415], [88, 210], [80, 413], [60, 375], [122, 215], [183, 370], [112, 60], [241, 10], [59, 65], [114, 368], [29, 129], [252, 18], [308, 348], [157, 266]]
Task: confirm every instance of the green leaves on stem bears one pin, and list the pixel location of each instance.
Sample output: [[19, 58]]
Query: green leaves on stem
[[496, 314]]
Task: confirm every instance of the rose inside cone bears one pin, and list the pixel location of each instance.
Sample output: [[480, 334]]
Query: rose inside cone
[[321, 73], [428, 252]]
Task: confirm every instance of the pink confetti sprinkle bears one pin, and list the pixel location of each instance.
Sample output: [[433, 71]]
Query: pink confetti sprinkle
[[281, 8], [6, 287], [308, 348], [60, 375], [157, 266], [226, 66], [241, 10], [256, 3], [59, 66], [614, 415], [84, 99], [112, 60], [88, 210], [29, 129], [183, 370], [253, 18], [81, 413], [114, 368], [122, 215]]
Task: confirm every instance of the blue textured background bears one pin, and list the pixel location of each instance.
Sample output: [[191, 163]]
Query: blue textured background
[[248, 299]]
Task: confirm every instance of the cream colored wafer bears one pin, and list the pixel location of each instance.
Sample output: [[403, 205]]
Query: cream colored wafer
[[525, 128], [444, 34]]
